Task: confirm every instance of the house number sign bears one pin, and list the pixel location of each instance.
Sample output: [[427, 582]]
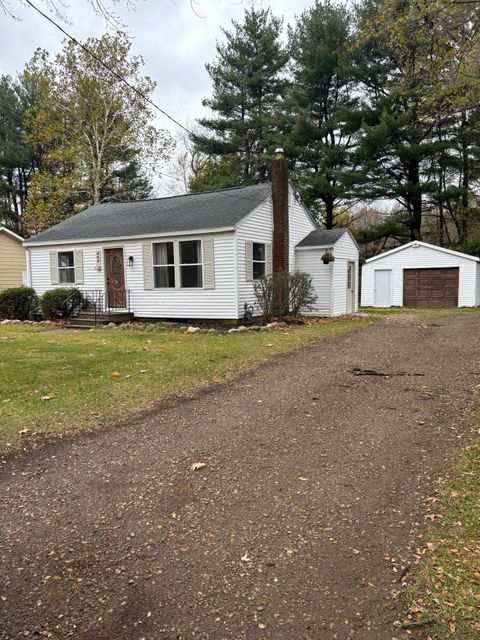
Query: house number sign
[[117, 271]]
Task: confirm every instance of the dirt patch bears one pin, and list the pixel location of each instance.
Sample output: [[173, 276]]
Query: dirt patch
[[299, 525]]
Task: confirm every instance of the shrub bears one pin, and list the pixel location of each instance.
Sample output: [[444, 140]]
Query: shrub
[[19, 303], [59, 303], [302, 296], [282, 293]]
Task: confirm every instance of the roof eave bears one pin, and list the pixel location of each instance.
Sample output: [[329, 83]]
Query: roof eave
[[422, 244], [12, 234], [143, 236]]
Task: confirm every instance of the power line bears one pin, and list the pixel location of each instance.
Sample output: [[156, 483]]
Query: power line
[[104, 64]]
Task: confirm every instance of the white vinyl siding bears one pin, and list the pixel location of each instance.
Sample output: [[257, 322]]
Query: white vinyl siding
[[345, 251], [300, 225], [257, 227], [477, 286], [217, 303], [418, 258], [310, 261]]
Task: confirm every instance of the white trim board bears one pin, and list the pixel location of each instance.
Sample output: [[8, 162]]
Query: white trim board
[[11, 234], [418, 243]]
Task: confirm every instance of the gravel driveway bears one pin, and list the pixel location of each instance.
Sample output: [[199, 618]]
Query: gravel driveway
[[309, 503]]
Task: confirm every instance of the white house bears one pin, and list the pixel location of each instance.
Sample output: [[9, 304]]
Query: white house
[[195, 256], [418, 274]]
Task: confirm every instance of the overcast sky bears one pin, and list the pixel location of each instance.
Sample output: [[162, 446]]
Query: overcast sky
[[174, 42]]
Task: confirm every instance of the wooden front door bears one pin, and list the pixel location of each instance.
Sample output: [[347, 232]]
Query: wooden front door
[[115, 273], [430, 287]]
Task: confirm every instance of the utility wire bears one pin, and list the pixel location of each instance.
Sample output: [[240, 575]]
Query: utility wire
[[104, 64]]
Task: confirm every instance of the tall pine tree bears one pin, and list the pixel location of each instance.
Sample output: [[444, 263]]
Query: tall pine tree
[[249, 84], [320, 129]]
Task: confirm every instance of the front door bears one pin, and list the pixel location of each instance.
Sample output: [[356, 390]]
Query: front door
[[350, 287], [383, 288], [115, 273]]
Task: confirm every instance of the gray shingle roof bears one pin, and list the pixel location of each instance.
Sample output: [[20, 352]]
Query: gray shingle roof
[[196, 211], [319, 238]]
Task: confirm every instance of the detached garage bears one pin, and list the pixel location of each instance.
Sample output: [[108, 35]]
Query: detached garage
[[421, 275]]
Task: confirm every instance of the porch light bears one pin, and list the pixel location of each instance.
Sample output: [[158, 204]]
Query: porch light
[[130, 261]]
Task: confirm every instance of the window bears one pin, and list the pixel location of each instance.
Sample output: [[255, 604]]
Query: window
[[66, 267], [191, 263], [258, 260], [163, 265]]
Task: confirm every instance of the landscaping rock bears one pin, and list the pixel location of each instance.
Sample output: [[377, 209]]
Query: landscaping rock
[[241, 328], [6, 322], [193, 329], [212, 331], [264, 328], [254, 327], [232, 331], [275, 325]]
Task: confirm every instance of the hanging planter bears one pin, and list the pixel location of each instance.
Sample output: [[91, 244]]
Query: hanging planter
[[328, 257]]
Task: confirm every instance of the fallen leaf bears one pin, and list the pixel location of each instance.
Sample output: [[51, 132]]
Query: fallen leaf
[[303, 479], [196, 466], [115, 374], [23, 432], [262, 626], [44, 398], [245, 558]]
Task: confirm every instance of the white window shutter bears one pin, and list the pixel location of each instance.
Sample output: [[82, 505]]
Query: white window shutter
[[53, 267], [249, 260], [78, 262], [268, 259], [147, 266], [208, 264]]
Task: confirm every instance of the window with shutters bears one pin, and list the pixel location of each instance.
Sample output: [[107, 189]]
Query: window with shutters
[[259, 260], [163, 265], [191, 267], [66, 267]]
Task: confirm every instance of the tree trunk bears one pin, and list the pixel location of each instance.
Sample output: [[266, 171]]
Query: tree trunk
[[415, 201], [329, 212]]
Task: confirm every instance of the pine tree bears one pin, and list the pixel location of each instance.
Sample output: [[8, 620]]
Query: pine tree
[[248, 86], [320, 128]]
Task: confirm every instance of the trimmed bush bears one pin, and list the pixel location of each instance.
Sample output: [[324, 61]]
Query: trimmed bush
[[58, 303], [18, 303]]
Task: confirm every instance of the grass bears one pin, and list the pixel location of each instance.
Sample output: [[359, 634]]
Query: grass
[[57, 382], [444, 599]]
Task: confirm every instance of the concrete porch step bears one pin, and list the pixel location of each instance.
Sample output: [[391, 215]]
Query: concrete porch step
[[87, 319]]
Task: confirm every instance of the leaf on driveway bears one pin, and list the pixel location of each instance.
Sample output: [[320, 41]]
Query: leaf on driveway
[[196, 466]]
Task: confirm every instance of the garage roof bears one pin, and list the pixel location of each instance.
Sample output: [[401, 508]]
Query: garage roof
[[417, 243]]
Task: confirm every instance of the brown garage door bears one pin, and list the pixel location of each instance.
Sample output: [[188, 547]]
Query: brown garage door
[[430, 287]]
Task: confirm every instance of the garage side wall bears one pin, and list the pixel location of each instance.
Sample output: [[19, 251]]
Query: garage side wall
[[418, 258]]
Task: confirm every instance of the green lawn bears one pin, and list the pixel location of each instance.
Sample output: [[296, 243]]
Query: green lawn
[[55, 382], [444, 599]]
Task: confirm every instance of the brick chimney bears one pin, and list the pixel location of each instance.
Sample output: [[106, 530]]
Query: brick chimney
[[280, 212]]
